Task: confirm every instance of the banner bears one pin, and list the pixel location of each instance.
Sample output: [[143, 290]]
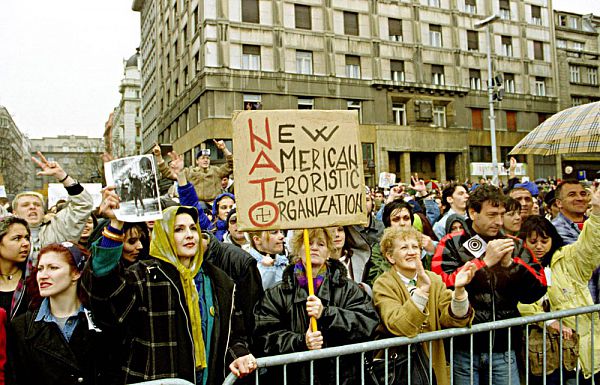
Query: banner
[[298, 168]]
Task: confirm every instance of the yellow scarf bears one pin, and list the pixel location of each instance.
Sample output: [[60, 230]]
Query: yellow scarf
[[162, 247]]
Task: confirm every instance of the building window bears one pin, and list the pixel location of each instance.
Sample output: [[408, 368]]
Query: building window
[[439, 116], [397, 69], [399, 112], [251, 57], [303, 16], [353, 67], [562, 20], [250, 12], [560, 43], [475, 79], [434, 3], [473, 40], [477, 119], [437, 75], [538, 50], [306, 103], [304, 62], [573, 22], [354, 105], [578, 46], [511, 121], [435, 35], [540, 86], [593, 75], [480, 153], [507, 48], [351, 23], [471, 6], [197, 61], [536, 15], [576, 101], [185, 76], [505, 9], [509, 83], [251, 102], [575, 74], [395, 29]]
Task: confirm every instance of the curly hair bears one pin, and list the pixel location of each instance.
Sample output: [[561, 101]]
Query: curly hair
[[391, 234], [485, 193]]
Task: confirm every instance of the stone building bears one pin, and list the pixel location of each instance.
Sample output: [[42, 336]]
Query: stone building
[[15, 164], [78, 155], [415, 71], [126, 124], [577, 62]]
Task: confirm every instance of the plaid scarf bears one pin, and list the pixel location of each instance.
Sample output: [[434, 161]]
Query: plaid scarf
[[300, 274]]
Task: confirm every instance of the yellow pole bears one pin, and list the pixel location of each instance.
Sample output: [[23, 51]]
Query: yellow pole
[[308, 266]]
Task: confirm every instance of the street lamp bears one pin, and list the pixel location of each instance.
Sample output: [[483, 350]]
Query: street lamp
[[487, 23]]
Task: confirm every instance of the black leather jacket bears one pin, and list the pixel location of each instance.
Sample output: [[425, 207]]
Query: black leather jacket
[[39, 354], [281, 324]]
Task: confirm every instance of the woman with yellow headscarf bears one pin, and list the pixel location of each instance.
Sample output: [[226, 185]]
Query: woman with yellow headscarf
[[174, 309]]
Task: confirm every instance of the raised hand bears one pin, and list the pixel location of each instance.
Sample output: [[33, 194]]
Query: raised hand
[[419, 185], [49, 168], [176, 164], [220, 144], [110, 202], [423, 280], [156, 151], [465, 275]]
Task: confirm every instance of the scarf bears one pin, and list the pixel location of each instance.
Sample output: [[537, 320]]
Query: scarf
[[162, 247], [300, 274]]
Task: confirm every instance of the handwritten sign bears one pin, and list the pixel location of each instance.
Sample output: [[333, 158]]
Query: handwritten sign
[[386, 179], [299, 169]]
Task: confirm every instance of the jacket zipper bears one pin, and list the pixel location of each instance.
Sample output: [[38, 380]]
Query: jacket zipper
[[228, 331], [186, 319]]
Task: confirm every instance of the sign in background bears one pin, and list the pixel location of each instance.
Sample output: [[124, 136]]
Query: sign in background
[[486, 168], [57, 191], [299, 169], [386, 179]]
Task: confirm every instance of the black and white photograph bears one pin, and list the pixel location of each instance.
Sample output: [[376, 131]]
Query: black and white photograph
[[136, 184]]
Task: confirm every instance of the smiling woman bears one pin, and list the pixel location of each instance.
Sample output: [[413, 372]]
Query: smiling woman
[[185, 300]]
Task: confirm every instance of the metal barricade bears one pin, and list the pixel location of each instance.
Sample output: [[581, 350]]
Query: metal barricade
[[384, 344]]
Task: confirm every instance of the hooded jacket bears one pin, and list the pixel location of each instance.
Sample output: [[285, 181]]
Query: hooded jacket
[[282, 322], [220, 225]]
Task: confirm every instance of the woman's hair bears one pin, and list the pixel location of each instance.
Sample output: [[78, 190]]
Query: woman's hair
[[143, 233], [391, 234], [297, 241], [75, 256], [9, 220], [543, 228], [393, 206], [511, 204]]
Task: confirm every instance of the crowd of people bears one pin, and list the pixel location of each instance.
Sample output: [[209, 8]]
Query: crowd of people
[[87, 298]]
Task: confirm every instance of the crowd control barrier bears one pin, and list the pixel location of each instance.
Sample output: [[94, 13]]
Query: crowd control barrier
[[449, 334]]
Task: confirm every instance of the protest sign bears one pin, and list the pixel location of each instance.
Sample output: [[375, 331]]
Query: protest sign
[[386, 179], [57, 191], [298, 169]]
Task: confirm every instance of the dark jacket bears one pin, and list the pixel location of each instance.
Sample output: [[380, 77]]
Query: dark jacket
[[242, 269], [494, 292], [39, 354], [147, 301], [282, 322]]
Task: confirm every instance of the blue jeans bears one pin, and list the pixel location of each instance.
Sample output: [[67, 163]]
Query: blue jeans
[[501, 364]]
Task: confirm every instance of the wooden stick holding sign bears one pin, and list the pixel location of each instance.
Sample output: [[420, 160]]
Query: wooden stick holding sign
[[308, 267]]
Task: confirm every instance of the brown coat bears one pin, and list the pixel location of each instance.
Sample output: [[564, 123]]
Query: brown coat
[[206, 181], [401, 317]]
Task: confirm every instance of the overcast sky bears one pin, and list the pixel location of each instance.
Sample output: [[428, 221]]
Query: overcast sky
[[62, 61]]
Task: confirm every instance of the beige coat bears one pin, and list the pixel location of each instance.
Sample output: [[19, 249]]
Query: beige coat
[[206, 181], [401, 317]]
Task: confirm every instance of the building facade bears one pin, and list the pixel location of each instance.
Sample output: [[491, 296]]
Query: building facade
[[126, 125], [15, 165], [415, 72], [577, 63], [78, 155]]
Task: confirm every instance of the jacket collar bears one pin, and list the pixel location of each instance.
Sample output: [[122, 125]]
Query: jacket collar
[[336, 276]]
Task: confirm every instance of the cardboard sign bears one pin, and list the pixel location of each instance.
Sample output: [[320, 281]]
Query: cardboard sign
[[386, 179], [57, 191], [299, 169]]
